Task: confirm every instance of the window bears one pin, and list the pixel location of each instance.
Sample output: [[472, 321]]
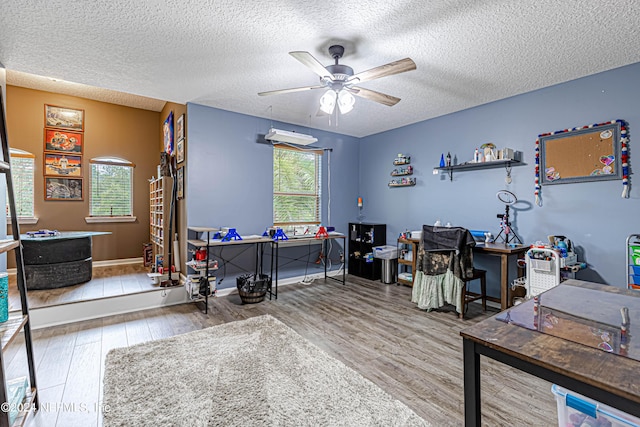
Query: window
[[111, 187], [296, 185], [22, 175]]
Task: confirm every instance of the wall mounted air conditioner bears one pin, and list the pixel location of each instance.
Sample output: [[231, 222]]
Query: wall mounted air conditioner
[[290, 137]]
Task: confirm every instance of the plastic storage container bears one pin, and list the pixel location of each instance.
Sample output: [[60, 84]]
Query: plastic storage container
[[4, 297], [577, 410], [634, 251], [385, 252]]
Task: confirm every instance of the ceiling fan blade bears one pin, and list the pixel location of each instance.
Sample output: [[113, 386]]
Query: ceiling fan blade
[[294, 89], [389, 69], [307, 59], [372, 95]]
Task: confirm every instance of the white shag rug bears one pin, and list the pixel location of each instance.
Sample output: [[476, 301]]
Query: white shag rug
[[255, 372]]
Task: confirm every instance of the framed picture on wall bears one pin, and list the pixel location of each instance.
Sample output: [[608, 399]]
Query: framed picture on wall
[[61, 141], [63, 118], [167, 134], [62, 188], [180, 151], [180, 128], [62, 165], [180, 179]]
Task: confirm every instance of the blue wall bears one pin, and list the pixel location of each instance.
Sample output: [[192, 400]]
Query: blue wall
[[593, 215], [229, 180]]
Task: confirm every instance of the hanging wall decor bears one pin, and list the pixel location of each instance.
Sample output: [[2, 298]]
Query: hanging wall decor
[[589, 153], [61, 141], [180, 178], [180, 151], [62, 165], [63, 118], [62, 188], [167, 134]]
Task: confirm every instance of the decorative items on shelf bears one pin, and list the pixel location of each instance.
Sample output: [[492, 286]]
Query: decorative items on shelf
[[402, 171], [402, 160], [404, 182]]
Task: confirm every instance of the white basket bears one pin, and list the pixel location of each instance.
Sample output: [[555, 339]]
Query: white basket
[[542, 274], [541, 265], [385, 252]]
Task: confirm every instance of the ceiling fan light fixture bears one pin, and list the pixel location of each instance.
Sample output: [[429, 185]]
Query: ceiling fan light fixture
[[345, 101], [328, 101]]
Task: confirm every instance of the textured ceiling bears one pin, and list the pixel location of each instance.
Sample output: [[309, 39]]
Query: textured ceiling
[[222, 53]]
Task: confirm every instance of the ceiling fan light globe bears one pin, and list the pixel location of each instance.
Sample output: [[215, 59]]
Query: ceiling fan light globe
[[328, 101], [345, 102]]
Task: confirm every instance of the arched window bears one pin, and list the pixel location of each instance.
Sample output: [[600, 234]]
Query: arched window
[[22, 175]]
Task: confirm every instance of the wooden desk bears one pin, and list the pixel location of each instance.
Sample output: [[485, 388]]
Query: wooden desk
[[605, 377], [504, 252]]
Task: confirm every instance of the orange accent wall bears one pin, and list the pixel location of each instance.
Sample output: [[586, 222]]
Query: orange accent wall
[[110, 130]]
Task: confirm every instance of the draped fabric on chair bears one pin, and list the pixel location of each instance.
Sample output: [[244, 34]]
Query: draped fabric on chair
[[445, 261]]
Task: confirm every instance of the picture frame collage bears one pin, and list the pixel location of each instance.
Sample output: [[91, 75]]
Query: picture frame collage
[[62, 154]]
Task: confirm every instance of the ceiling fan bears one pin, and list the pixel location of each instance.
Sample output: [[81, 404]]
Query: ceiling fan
[[341, 81]]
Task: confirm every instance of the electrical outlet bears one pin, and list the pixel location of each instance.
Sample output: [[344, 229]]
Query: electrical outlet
[[341, 256]]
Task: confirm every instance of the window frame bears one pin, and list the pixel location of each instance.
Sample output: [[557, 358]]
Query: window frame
[[317, 195], [22, 219], [110, 161]]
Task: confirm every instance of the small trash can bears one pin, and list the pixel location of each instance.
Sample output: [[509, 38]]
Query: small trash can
[[389, 270], [388, 256]]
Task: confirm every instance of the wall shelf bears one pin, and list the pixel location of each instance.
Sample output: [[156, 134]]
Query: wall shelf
[[399, 184], [404, 173], [404, 182], [483, 165]]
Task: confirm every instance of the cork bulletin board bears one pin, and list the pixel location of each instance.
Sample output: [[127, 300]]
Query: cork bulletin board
[[584, 154]]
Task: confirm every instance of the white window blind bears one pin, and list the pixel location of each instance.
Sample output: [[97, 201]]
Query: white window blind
[[22, 175], [111, 187], [296, 185]]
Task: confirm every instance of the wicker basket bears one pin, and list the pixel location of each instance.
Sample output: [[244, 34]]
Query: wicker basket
[[252, 288]]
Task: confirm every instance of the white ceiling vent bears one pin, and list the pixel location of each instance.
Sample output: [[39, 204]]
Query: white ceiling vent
[[290, 137]]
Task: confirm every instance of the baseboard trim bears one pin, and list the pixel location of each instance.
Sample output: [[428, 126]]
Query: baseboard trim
[[105, 263], [112, 262], [43, 317]]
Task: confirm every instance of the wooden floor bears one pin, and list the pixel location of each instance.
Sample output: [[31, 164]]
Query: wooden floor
[[105, 282], [373, 328]]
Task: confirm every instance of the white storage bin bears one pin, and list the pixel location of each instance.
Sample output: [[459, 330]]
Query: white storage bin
[[578, 410], [385, 252]]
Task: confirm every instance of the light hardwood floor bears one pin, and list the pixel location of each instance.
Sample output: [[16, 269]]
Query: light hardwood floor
[[373, 328], [105, 282]]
